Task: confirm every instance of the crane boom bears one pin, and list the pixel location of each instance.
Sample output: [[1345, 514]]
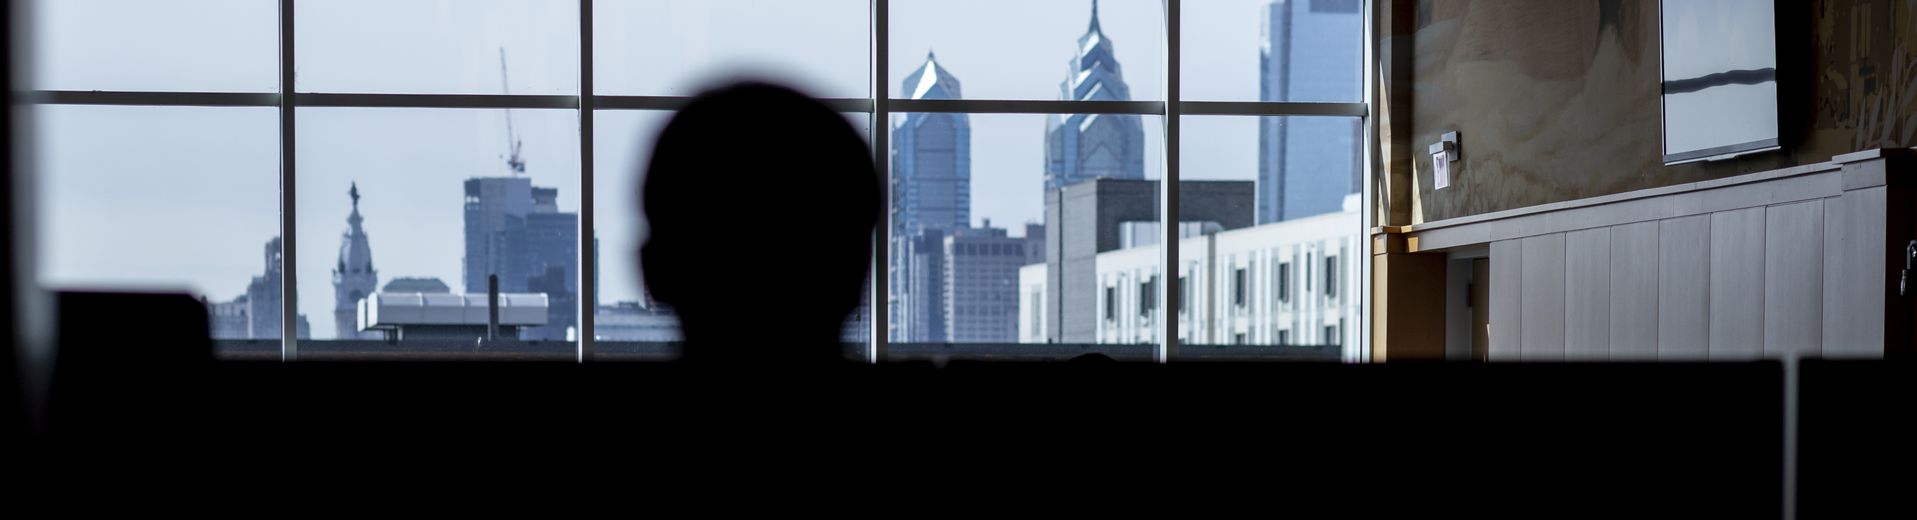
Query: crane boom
[[514, 161]]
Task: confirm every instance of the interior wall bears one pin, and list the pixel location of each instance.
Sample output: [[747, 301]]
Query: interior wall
[[1778, 265], [1457, 309], [1558, 100]]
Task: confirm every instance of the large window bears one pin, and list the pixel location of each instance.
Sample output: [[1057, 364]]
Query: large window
[[368, 160]]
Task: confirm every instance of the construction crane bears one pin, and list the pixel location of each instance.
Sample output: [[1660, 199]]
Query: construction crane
[[514, 162]]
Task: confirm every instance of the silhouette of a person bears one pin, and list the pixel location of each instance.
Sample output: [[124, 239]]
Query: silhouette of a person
[[761, 205]]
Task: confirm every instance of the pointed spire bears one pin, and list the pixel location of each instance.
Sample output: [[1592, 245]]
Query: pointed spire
[[931, 56], [1094, 17]]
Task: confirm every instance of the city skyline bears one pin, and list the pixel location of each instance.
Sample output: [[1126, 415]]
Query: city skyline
[[406, 154]]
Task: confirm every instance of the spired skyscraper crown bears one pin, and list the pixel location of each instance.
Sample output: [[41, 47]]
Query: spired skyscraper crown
[[933, 161], [1081, 147]]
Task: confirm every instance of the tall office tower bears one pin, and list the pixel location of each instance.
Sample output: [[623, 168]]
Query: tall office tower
[[932, 157], [516, 231], [548, 251], [493, 204], [263, 300], [1081, 147], [918, 293], [1312, 52], [932, 193], [980, 285], [353, 275]]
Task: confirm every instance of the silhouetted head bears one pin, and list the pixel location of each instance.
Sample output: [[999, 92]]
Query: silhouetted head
[[762, 205]]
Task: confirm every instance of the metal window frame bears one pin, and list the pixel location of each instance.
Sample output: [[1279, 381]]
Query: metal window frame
[[880, 105]]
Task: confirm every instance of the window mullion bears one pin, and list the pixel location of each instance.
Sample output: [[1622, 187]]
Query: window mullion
[[878, 305], [587, 248], [289, 238], [1168, 194]]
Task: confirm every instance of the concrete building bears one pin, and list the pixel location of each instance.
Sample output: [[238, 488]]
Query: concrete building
[[353, 274], [979, 284], [1311, 51], [1081, 147], [1087, 219], [1284, 283], [931, 187]]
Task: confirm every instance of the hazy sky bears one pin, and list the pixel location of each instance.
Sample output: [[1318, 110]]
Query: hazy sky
[[186, 197]]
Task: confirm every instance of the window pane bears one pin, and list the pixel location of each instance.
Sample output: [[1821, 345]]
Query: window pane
[[1047, 50], [631, 326], [973, 259], [1308, 234], [676, 47], [187, 199], [403, 214], [180, 45], [1273, 50], [438, 46], [626, 312]]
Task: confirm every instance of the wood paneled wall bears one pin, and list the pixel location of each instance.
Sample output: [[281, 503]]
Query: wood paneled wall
[[1789, 263]]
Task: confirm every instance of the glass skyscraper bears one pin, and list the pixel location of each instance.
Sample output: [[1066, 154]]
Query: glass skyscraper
[[1311, 52], [1081, 147], [932, 194], [515, 230]]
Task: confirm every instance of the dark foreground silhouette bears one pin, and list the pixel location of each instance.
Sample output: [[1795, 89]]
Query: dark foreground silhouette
[[761, 204]]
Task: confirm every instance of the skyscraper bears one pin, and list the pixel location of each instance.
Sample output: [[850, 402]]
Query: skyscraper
[[932, 194], [932, 157], [353, 275], [516, 231], [979, 275], [1311, 52], [549, 253], [1081, 147], [256, 314], [493, 204], [918, 295]]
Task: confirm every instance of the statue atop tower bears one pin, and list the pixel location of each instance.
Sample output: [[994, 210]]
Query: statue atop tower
[[353, 276]]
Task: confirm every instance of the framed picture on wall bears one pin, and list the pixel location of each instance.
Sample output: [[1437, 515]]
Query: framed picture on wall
[[1719, 72]]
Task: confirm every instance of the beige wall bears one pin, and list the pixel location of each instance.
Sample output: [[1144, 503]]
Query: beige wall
[[1558, 100]]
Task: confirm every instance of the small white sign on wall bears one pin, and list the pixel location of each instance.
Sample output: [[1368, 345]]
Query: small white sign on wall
[[1443, 153]]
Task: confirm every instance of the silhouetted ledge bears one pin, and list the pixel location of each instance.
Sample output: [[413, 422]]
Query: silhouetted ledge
[[562, 351]]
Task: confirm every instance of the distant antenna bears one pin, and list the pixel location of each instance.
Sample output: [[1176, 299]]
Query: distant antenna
[[514, 162]]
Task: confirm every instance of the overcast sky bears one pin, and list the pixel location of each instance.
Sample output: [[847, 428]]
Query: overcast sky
[[187, 197]]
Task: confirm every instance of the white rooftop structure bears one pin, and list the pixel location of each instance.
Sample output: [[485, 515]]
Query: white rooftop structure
[[394, 310]]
